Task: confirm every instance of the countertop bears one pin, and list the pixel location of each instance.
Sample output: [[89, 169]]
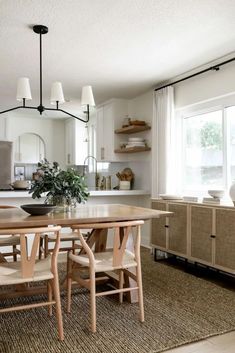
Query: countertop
[[25, 193]]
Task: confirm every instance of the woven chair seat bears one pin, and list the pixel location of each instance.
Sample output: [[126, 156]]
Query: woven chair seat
[[104, 261], [10, 240], [10, 272]]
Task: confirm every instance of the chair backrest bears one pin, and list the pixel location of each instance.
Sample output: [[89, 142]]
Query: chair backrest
[[6, 206], [28, 260], [122, 231]]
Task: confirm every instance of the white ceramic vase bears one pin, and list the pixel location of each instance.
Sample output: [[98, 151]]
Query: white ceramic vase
[[232, 192]]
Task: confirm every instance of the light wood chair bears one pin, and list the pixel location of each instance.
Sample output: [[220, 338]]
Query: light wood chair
[[12, 241], [28, 269], [48, 238], [118, 259]]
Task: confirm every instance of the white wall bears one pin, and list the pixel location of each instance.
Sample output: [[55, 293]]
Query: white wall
[[141, 108], [206, 86]]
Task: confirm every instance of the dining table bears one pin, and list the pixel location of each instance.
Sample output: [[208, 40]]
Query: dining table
[[82, 214]]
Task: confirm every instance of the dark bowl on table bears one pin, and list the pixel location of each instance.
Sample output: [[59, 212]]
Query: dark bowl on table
[[37, 209]]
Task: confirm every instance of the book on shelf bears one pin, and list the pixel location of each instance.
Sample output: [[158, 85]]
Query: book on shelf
[[211, 200]]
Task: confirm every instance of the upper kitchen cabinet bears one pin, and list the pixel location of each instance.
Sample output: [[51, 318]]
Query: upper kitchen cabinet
[[109, 117], [29, 148], [76, 142]]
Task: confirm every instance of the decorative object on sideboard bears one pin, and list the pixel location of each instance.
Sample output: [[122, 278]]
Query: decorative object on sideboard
[[64, 188], [216, 194], [232, 192], [170, 197], [57, 96], [212, 200], [190, 198]]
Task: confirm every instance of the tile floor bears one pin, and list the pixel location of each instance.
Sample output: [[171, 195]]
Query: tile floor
[[218, 344]]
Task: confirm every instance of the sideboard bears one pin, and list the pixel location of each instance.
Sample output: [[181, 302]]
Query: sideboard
[[201, 233]]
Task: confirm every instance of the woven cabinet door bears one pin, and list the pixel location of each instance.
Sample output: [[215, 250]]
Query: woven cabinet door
[[201, 231], [178, 229], [158, 232], [225, 239]]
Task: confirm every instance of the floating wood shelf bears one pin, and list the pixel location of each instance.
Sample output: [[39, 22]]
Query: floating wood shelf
[[132, 129], [132, 150]]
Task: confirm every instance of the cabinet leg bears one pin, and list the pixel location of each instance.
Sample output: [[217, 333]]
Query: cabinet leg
[[160, 255], [155, 254]]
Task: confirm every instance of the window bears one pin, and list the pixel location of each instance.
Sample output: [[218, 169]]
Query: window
[[208, 157]]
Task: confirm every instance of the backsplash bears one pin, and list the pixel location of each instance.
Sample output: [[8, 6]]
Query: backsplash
[[141, 179]]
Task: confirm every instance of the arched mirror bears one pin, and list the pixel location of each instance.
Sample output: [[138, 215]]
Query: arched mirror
[[29, 148]]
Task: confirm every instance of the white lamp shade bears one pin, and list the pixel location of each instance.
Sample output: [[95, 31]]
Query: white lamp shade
[[23, 89], [87, 96], [57, 94]]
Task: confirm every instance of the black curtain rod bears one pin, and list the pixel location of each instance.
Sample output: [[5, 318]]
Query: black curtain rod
[[214, 68]]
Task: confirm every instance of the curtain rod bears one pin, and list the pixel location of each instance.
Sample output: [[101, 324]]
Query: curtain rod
[[213, 68]]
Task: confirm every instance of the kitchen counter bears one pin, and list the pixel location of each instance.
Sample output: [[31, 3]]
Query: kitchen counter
[[25, 193]]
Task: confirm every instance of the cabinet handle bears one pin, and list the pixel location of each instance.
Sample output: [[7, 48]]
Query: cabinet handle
[[102, 153], [68, 159], [213, 236]]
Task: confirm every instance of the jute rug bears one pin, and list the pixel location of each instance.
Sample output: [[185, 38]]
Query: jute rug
[[179, 308]]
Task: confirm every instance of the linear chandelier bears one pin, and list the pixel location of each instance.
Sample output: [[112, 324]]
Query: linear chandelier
[[57, 96]]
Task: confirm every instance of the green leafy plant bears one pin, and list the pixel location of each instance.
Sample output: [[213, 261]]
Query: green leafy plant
[[62, 186]]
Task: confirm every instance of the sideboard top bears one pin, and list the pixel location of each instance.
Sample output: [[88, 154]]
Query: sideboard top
[[222, 204]]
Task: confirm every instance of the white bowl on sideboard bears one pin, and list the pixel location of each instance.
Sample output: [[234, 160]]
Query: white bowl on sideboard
[[217, 194]]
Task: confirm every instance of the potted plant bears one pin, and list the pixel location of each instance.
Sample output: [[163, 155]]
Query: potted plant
[[64, 188]]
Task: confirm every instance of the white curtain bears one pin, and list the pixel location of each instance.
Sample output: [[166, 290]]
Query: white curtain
[[163, 128]]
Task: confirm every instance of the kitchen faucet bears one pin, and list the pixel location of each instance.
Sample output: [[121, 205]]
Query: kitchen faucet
[[96, 174]]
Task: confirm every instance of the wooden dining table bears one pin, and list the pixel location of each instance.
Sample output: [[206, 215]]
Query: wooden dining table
[[15, 218], [82, 214]]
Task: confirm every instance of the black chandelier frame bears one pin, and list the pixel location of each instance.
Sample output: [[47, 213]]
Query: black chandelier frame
[[40, 29]]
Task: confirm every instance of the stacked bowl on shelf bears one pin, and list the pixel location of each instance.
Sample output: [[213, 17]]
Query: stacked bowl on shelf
[[135, 142]]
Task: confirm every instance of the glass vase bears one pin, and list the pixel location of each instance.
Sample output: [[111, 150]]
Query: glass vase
[[62, 203]]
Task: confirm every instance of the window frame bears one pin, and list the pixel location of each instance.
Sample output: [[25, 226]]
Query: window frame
[[196, 110]]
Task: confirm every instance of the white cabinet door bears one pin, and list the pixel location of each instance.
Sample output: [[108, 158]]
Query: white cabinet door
[[92, 125], [108, 133], [3, 128], [105, 133], [76, 142], [99, 134], [81, 142], [108, 117], [69, 141]]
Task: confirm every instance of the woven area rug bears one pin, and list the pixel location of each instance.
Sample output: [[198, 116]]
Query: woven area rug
[[179, 308]]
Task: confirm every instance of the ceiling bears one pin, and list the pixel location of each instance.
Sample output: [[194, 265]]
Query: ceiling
[[120, 47]]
